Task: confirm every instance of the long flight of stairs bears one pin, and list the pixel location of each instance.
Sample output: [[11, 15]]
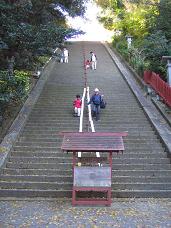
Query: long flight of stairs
[[37, 167]]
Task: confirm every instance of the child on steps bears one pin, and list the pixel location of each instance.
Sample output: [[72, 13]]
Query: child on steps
[[77, 105]]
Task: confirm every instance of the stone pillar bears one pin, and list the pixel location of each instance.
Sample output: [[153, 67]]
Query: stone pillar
[[11, 66], [129, 40]]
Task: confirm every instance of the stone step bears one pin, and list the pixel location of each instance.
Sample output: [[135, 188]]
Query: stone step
[[107, 118], [35, 185], [132, 173], [36, 148], [27, 140], [65, 124], [57, 117], [54, 128], [36, 178], [65, 178], [63, 166], [48, 134], [56, 137], [43, 171], [68, 193], [61, 124], [68, 185], [127, 108], [42, 118], [114, 128], [116, 160], [130, 129], [67, 165], [125, 127], [58, 141], [60, 154], [57, 148], [47, 145], [24, 141]]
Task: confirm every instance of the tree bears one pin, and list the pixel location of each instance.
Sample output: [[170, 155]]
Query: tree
[[156, 46], [28, 26], [129, 17], [164, 18]]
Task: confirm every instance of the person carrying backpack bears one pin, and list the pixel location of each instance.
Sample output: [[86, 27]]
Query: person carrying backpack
[[95, 100]]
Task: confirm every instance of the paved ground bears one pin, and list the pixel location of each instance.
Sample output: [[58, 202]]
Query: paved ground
[[124, 213]]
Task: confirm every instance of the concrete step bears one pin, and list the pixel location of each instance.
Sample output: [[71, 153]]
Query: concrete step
[[68, 193], [67, 165], [39, 144], [49, 121], [56, 125], [60, 154], [132, 131], [116, 160], [50, 124], [65, 178], [132, 173], [68, 185], [33, 139], [36, 148], [145, 146], [54, 118], [44, 154], [43, 171], [53, 128], [134, 193], [57, 138], [57, 148], [35, 185], [36, 178], [23, 165]]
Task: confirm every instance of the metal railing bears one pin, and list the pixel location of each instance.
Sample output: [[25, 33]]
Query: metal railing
[[90, 117]]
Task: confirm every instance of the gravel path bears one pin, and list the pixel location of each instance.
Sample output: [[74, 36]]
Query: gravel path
[[124, 213]]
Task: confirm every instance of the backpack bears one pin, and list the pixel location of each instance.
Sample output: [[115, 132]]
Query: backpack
[[96, 99], [103, 104]]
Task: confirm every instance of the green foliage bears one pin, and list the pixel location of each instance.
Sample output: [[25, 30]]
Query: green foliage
[[33, 25], [13, 88], [41, 60], [130, 17], [137, 59], [147, 54], [164, 19], [133, 55], [121, 46], [155, 46], [29, 30], [148, 21]]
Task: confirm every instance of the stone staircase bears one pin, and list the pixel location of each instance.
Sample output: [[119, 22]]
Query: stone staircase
[[36, 166]]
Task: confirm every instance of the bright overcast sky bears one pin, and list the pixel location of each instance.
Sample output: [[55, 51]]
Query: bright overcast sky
[[94, 30]]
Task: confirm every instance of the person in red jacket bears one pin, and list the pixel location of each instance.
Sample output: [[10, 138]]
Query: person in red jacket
[[87, 64], [77, 105]]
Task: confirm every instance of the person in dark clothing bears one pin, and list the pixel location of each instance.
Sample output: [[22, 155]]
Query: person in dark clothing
[[95, 100]]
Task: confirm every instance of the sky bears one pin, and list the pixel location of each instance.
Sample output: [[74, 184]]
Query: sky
[[93, 29]]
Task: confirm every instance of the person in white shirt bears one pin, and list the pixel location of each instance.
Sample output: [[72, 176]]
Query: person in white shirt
[[93, 61], [65, 54]]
